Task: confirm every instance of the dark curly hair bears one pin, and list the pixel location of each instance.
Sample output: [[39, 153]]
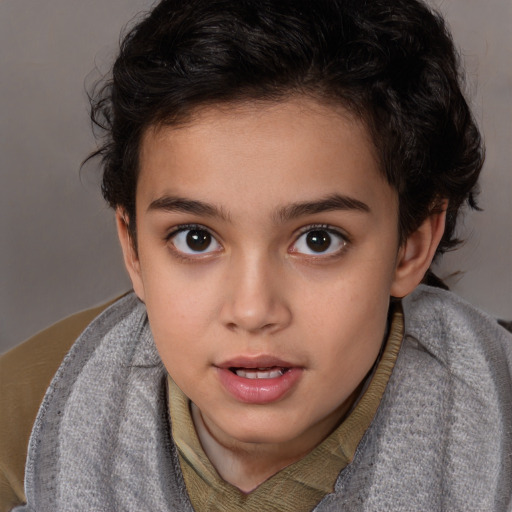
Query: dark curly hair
[[392, 63]]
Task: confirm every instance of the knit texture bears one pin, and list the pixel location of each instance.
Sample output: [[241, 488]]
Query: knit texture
[[441, 438], [102, 439]]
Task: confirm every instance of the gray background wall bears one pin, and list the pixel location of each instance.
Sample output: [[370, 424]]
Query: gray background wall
[[58, 250]]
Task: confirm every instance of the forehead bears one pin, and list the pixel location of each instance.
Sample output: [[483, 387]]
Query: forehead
[[260, 154]]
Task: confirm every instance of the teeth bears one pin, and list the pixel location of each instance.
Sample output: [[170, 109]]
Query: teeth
[[259, 373]]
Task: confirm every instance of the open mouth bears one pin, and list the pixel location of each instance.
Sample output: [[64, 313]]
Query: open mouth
[[260, 380], [259, 373]]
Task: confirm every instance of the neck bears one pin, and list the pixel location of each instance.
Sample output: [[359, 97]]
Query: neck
[[244, 465], [248, 465]]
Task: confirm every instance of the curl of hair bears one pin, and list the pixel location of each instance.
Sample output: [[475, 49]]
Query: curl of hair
[[392, 63]]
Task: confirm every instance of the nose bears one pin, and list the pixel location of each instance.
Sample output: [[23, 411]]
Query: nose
[[255, 293]]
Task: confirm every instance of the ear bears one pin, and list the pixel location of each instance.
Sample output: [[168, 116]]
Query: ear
[[417, 253], [130, 256]]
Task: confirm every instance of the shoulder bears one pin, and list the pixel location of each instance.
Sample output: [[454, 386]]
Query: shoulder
[[443, 426], [452, 348], [441, 321], [25, 373]]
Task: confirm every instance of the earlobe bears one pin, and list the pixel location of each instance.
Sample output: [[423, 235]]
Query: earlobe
[[417, 253], [130, 256]]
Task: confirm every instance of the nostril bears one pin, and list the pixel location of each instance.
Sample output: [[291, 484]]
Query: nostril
[[231, 326], [268, 327]]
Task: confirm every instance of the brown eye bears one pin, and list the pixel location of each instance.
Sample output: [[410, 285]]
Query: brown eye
[[318, 241], [194, 241], [198, 240]]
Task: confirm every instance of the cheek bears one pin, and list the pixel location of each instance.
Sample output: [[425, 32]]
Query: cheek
[[176, 293], [177, 315], [175, 335], [357, 289], [180, 314], [347, 315]]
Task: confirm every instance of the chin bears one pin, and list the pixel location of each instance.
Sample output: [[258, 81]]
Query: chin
[[265, 432]]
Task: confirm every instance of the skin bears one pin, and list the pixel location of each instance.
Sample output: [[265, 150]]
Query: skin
[[258, 288]]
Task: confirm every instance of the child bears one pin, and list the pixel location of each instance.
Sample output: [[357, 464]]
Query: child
[[283, 172]]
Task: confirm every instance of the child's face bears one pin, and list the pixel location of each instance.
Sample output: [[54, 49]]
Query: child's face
[[267, 238]]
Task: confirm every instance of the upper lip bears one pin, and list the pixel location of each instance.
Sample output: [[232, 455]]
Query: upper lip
[[261, 361]]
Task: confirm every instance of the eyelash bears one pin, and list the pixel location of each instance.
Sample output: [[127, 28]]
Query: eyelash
[[185, 227]]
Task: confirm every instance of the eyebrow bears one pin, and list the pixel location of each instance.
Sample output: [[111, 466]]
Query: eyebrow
[[179, 204], [284, 214], [329, 203]]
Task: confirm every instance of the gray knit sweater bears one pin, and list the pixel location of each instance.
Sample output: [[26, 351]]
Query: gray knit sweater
[[441, 438]]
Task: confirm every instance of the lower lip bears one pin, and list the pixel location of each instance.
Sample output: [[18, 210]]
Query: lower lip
[[259, 391]]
